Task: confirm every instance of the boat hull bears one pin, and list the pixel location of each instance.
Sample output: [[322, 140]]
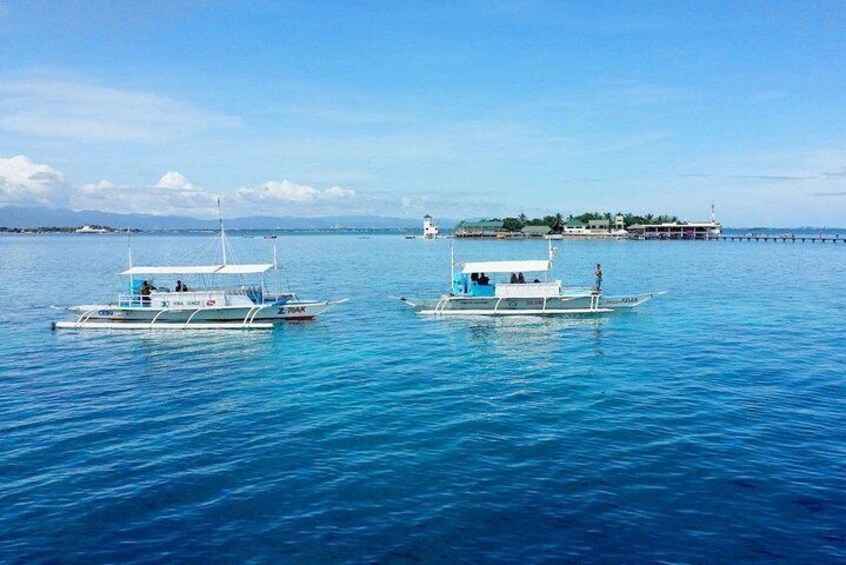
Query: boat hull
[[553, 306], [260, 316]]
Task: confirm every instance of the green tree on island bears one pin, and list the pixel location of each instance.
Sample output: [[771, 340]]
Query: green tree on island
[[557, 221]]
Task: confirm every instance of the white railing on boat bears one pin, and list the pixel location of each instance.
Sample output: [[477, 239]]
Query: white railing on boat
[[211, 297], [166, 299], [528, 290]]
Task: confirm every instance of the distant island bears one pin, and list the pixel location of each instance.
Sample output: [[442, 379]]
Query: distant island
[[30, 217], [64, 229]]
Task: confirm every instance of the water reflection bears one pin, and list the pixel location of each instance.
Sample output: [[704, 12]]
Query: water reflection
[[531, 340]]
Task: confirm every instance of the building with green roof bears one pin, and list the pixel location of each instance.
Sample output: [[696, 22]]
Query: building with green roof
[[535, 231], [478, 228]]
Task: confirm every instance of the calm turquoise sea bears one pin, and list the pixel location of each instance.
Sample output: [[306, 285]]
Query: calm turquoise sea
[[709, 426]]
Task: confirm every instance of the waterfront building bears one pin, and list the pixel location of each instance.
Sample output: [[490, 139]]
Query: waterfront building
[[676, 230], [535, 231], [479, 228], [594, 229], [430, 229]]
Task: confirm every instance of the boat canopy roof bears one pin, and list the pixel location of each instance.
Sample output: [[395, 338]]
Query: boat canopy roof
[[506, 266], [200, 270], [244, 269]]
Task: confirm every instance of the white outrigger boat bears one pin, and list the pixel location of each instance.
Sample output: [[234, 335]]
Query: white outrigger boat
[[473, 294], [206, 306]]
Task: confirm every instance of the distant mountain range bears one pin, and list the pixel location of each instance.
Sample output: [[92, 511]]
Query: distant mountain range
[[41, 216]]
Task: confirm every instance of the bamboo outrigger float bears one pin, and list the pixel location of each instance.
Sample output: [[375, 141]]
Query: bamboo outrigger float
[[207, 306], [472, 293]]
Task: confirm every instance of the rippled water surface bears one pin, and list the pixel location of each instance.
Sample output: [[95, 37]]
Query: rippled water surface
[[709, 426]]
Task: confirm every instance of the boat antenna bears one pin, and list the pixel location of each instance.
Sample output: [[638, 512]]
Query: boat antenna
[[129, 253], [275, 264], [222, 232], [551, 256], [451, 262], [129, 245]]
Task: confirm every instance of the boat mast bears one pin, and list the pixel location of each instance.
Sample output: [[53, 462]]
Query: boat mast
[[222, 232]]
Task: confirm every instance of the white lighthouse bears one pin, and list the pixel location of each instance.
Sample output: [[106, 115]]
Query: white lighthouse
[[430, 230]]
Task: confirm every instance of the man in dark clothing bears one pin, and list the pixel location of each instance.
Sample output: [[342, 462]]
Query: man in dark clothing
[[146, 289]]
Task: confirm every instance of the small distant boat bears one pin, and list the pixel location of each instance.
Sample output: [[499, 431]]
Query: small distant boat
[[410, 237], [211, 301], [474, 294]]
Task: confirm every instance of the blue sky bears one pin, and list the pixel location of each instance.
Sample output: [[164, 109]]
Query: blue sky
[[452, 108]]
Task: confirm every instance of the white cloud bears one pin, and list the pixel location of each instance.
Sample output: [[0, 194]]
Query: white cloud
[[68, 110], [25, 182], [96, 188], [174, 180], [173, 194], [288, 192]]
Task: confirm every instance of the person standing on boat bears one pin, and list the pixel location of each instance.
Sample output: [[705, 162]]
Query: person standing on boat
[[146, 289], [598, 272], [520, 278], [513, 278]]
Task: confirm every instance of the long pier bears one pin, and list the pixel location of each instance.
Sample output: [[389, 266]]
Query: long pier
[[783, 238]]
